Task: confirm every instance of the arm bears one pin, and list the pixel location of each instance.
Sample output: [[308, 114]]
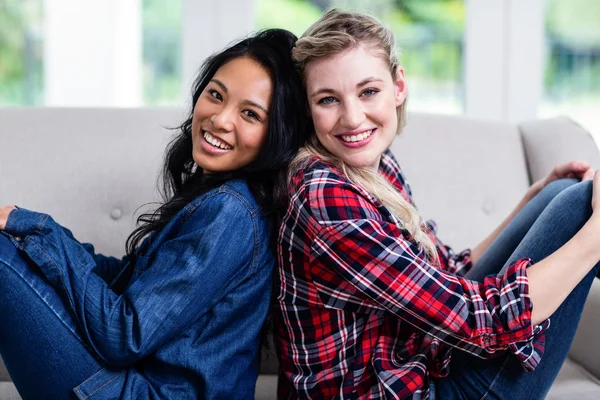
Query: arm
[[550, 281], [106, 267], [391, 273], [574, 169], [187, 276]]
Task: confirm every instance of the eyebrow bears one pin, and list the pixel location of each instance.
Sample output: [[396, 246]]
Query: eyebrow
[[249, 102], [359, 84]]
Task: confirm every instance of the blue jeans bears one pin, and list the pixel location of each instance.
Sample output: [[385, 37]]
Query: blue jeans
[[546, 223], [44, 354]]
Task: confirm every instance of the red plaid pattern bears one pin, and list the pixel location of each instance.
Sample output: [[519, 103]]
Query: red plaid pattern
[[362, 314]]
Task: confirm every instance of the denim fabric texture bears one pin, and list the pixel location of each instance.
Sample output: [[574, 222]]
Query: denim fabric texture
[[547, 222], [184, 324]]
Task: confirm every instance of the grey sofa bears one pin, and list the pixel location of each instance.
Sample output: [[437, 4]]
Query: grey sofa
[[92, 168]]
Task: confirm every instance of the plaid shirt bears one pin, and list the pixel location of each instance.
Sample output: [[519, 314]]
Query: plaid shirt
[[362, 314]]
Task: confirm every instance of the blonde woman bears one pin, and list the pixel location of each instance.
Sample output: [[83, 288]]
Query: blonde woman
[[370, 303]]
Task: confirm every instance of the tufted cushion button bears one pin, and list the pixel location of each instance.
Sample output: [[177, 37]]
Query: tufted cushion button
[[488, 206], [116, 214]]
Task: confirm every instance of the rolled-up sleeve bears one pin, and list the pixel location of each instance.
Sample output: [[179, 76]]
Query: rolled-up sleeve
[[390, 270]]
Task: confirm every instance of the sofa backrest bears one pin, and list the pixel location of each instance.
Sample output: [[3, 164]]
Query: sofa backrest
[[92, 168]]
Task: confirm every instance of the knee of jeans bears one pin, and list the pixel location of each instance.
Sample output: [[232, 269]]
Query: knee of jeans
[[552, 189], [575, 198]]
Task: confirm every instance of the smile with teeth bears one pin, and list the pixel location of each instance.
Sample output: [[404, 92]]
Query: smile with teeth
[[356, 138], [216, 142]]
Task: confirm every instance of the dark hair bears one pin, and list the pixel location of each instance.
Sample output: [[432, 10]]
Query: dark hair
[[183, 181]]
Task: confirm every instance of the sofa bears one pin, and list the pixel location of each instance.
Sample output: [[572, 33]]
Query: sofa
[[93, 168]]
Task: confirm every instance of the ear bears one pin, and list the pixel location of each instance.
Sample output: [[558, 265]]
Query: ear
[[400, 88]]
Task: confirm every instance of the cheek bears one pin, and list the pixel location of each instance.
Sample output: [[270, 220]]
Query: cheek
[[385, 112], [197, 114], [254, 140], [323, 120]]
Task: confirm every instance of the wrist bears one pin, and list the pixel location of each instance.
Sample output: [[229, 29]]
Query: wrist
[[534, 190], [530, 194]]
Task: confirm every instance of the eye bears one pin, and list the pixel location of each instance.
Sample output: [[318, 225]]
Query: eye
[[251, 114], [215, 94], [327, 100], [370, 92]]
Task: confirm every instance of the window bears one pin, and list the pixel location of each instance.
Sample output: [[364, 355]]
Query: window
[[161, 52], [429, 35], [572, 72], [21, 53], [23, 31]]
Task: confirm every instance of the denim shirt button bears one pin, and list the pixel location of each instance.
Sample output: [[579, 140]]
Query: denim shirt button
[[116, 214]]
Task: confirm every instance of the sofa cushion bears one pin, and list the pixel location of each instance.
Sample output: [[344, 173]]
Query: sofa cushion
[[266, 387], [586, 347], [574, 382], [8, 391]]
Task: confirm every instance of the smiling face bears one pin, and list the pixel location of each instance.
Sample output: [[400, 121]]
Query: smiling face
[[230, 121], [353, 102]]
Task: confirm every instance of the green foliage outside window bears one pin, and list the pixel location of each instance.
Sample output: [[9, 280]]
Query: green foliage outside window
[[429, 35], [161, 51], [21, 55]]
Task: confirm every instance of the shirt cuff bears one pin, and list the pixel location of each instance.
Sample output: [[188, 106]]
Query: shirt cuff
[[22, 222], [523, 339]]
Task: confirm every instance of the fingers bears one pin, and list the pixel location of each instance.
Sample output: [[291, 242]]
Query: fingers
[[562, 170], [573, 169], [4, 212], [588, 175]]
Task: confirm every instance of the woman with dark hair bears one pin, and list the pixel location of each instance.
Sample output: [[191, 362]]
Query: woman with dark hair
[[179, 317]]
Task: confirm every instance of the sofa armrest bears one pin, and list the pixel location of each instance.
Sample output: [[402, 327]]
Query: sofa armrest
[[585, 349], [549, 142]]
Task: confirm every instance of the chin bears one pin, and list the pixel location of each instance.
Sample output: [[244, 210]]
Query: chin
[[360, 162]]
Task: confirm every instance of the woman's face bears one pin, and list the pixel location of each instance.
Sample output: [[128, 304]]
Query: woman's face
[[353, 101], [230, 121]]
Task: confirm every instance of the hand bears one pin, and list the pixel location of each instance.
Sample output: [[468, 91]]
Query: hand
[[574, 169], [4, 211]]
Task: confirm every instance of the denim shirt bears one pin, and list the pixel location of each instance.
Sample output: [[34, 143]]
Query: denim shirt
[[186, 324]]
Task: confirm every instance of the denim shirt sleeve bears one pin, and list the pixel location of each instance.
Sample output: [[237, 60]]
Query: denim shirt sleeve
[[188, 275], [107, 267]]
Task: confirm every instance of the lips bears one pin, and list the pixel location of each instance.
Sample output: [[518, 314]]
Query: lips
[[216, 141], [356, 138]]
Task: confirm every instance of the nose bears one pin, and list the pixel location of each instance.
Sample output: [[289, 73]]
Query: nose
[[223, 120], [353, 114]]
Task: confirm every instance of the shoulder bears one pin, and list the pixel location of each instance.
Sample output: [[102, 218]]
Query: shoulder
[[230, 206], [232, 197], [329, 195]]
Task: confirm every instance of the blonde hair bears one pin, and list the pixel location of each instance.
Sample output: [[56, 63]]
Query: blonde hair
[[335, 32]]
